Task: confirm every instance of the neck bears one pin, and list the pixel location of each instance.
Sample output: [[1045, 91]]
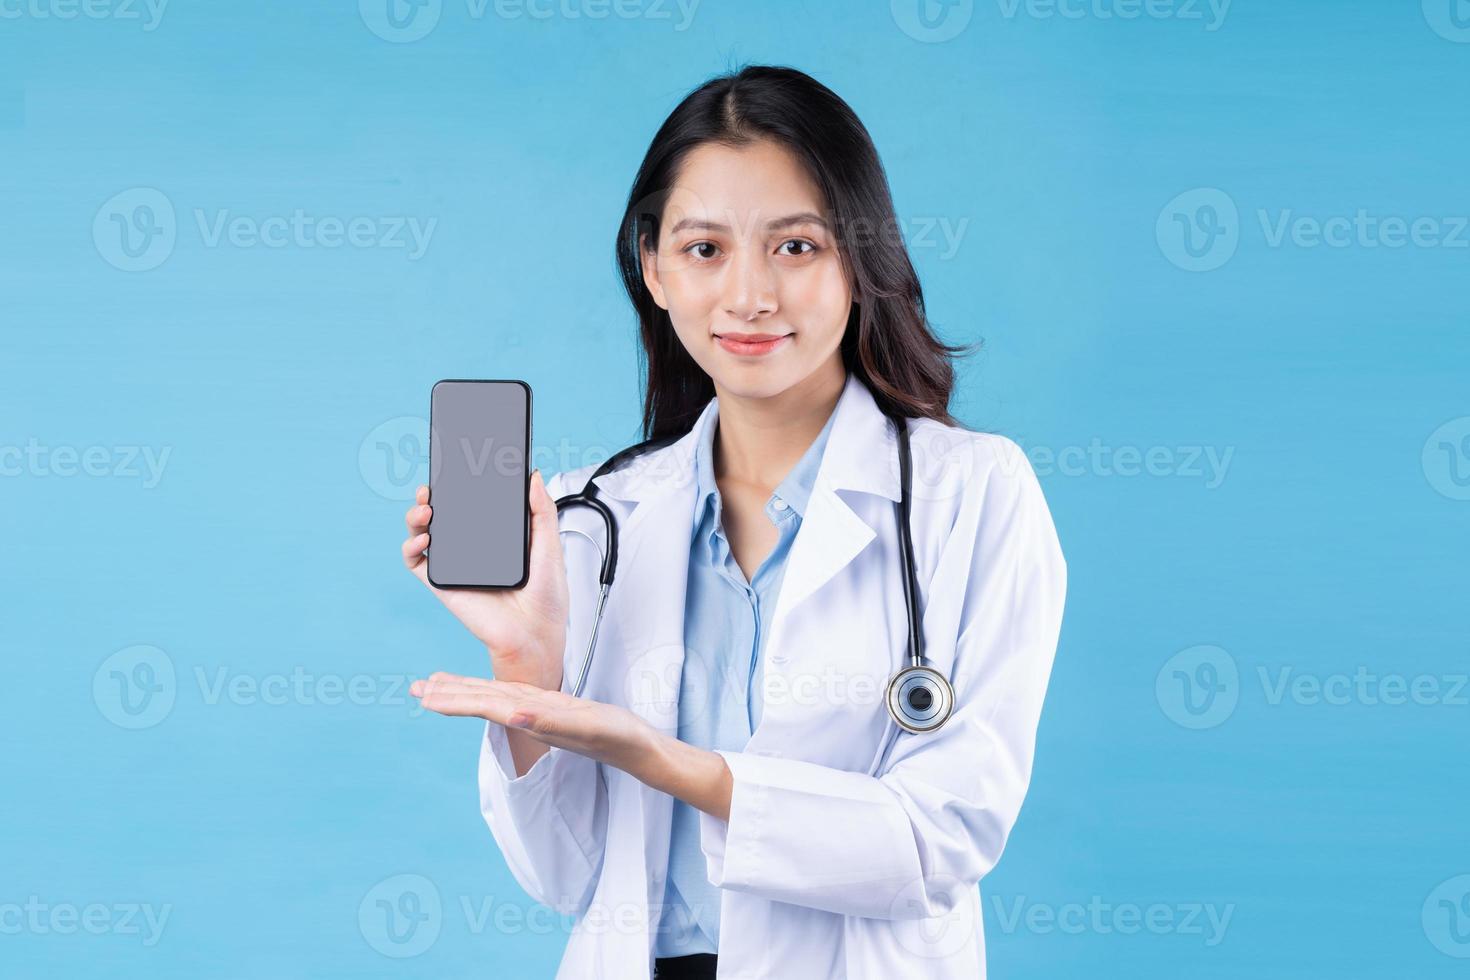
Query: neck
[[759, 440]]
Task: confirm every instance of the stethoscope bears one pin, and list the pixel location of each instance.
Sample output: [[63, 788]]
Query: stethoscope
[[919, 697]]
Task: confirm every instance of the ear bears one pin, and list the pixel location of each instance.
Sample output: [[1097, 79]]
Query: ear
[[648, 265]]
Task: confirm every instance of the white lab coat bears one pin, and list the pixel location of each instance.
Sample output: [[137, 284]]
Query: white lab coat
[[853, 849]]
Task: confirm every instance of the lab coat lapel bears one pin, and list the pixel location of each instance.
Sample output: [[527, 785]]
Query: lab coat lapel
[[647, 615], [653, 563], [860, 455], [646, 607]]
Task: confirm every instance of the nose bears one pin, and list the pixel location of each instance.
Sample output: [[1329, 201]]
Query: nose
[[750, 290]]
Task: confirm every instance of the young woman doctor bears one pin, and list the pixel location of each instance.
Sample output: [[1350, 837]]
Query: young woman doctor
[[730, 793]]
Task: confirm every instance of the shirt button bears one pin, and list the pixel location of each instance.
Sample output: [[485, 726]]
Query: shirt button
[[780, 504]]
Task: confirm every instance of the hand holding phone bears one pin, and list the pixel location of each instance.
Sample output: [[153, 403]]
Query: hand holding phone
[[494, 555]]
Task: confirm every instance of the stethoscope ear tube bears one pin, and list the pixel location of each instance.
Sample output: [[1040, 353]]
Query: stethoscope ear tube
[[605, 578], [610, 553], [587, 497]]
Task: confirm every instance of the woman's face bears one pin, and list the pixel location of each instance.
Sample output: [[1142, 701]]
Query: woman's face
[[745, 251]]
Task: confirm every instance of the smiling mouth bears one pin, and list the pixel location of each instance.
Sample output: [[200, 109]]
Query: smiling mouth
[[750, 344]]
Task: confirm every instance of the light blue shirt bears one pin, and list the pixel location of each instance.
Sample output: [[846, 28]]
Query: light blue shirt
[[726, 621]]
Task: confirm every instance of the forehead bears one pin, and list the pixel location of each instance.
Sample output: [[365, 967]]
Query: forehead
[[762, 178]]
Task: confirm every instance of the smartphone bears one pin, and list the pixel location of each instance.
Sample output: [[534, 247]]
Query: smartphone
[[479, 484]]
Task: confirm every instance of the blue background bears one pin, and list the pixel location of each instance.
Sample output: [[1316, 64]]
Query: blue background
[[288, 386]]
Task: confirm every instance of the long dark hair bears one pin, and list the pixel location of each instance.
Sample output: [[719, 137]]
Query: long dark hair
[[887, 342]]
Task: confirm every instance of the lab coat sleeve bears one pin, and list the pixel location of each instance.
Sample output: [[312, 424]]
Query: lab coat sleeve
[[909, 842], [550, 822]]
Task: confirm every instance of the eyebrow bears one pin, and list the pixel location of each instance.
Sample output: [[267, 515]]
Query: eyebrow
[[775, 224]]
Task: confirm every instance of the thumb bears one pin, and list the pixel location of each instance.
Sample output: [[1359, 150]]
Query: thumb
[[545, 536]]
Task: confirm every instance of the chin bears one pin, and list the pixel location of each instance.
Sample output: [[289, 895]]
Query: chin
[[756, 381]]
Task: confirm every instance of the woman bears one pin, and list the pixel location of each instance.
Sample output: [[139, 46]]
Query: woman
[[731, 789]]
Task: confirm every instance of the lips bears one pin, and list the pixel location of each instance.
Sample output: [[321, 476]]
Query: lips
[[751, 344], [751, 338]]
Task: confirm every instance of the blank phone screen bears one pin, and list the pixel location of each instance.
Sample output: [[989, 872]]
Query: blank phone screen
[[479, 436]]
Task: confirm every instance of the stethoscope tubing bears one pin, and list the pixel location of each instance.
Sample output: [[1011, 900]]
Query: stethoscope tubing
[[906, 545], [588, 497]]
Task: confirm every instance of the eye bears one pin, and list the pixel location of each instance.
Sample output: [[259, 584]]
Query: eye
[[803, 246], [698, 251]]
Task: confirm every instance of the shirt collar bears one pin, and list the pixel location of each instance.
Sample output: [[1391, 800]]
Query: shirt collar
[[795, 489], [861, 455]]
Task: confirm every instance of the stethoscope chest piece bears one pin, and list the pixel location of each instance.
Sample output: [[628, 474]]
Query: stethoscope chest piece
[[920, 699]]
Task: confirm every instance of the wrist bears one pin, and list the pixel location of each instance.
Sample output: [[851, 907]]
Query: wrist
[[646, 756], [697, 776], [540, 668]]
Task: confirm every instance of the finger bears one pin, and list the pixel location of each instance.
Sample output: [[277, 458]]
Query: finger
[[422, 689], [490, 705], [422, 494], [413, 550], [440, 677], [442, 683], [545, 539], [525, 695], [417, 518]]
